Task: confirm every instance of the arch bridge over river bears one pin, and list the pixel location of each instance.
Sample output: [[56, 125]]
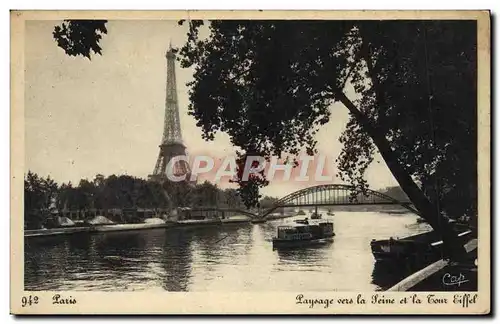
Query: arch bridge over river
[[319, 196]]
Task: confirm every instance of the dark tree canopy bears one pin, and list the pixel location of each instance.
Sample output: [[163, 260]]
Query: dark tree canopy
[[43, 195], [80, 37], [423, 97], [269, 85]]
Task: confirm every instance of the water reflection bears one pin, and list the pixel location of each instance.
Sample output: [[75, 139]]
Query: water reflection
[[218, 258], [176, 260], [309, 256], [385, 274]]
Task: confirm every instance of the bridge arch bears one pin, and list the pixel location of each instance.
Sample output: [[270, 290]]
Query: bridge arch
[[334, 194]]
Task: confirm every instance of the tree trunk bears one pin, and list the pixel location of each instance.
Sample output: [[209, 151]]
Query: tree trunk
[[453, 248]]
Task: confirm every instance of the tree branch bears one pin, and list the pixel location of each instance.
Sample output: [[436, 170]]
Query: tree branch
[[427, 210]]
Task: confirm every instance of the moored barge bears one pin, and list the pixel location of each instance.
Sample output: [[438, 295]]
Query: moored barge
[[423, 246]]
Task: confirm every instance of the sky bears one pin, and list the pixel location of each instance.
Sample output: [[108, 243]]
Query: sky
[[105, 116]]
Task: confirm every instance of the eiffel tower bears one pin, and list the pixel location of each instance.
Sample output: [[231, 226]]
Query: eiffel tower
[[171, 143]]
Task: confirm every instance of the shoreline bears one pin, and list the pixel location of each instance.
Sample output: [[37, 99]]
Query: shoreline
[[129, 227]]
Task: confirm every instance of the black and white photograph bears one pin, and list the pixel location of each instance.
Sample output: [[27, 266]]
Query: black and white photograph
[[347, 155]]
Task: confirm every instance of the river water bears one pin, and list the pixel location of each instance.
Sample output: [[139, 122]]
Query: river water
[[237, 257]]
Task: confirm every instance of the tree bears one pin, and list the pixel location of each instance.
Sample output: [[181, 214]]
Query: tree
[[269, 85], [395, 192], [80, 37], [38, 195], [38, 192], [179, 193], [205, 194], [87, 195], [232, 198], [151, 195], [268, 202], [66, 196], [33, 192]]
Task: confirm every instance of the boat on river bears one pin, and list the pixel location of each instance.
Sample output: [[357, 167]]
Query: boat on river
[[303, 233], [315, 215], [302, 221], [301, 212], [423, 246]]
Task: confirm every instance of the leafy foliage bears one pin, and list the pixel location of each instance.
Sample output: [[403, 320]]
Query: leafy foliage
[[422, 97], [38, 196], [250, 72], [251, 82], [395, 192], [270, 84], [80, 37], [118, 192]]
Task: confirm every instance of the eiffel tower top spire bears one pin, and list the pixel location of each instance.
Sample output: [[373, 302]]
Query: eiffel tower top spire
[[172, 127], [171, 143]]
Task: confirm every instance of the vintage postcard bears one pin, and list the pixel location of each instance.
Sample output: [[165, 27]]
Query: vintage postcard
[[250, 162]]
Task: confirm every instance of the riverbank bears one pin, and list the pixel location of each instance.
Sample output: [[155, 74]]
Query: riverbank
[[129, 227]]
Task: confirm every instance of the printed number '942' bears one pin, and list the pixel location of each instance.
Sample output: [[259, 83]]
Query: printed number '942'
[[28, 301]]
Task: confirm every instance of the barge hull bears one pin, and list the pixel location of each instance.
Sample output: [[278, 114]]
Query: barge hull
[[300, 243], [422, 246]]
